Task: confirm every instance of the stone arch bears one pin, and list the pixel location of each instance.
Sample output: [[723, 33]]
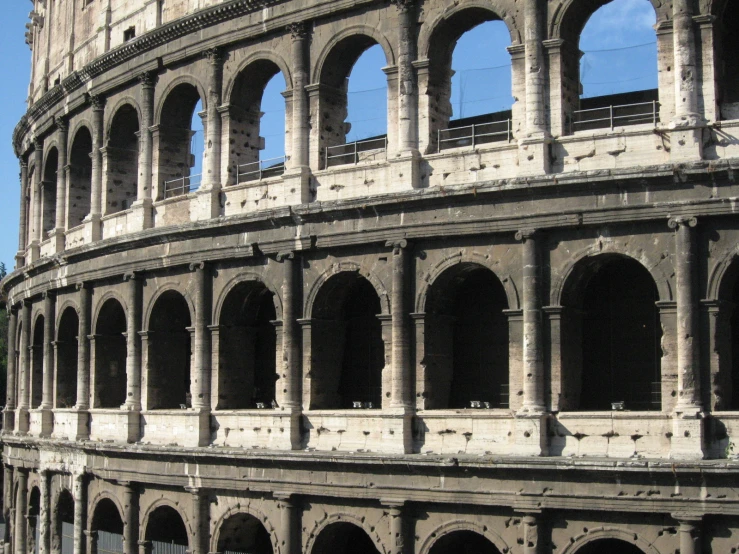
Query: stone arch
[[100, 497], [561, 278], [429, 27], [161, 289], [37, 344], [79, 124], [101, 302], [343, 517], [166, 92], [162, 503], [66, 370], [110, 350], [340, 267], [568, 19], [460, 525], [115, 108], [353, 30], [68, 303], [576, 543], [242, 278], [268, 55], [50, 145], [247, 510], [425, 284], [723, 274]]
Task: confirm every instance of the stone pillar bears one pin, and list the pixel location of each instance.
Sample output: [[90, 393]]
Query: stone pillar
[[288, 523], [130, 519], [141, 213], [47, 399], [535, 70], [531, 434], [133, 356], [38, 156], [21, 508], [61, 184], [201, 357], [24, 372], [8, 514], [395, 512], [92, 542], [207, 202], [83, 348], [407, 81], [290, 334], [145, 547], [298, 168], [530, 528], [687, 440], [687, 139], [92, 221], [80, 508], [690, 533], [10, 398], [44, 534], [20, 257], [200, 521], [401, 388]]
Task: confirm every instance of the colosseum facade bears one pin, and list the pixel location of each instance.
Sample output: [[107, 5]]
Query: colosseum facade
[[435, 343]]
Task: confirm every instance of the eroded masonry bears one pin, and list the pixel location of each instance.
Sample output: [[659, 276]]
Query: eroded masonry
[[509, 335]]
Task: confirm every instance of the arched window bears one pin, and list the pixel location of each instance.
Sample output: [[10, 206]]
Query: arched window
[[29, 206], [180, 142], [612, 335], [121, 160], [470, 91], [353, 108], [347, 350], [247, 348], [257, 123], [106, 520], [34, 527], [37, 363], [48, 192], [733, 392], [466, 333], [66, 359], [244, 533], [169, 355], [166, 528], [110, 356], [343, 538], [79, 186], [62, 537], [609, 546], [463, 542], [618, 68], [728, 69]]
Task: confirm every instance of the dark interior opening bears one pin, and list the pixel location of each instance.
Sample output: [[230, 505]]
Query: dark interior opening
[[344, 538], [80, 178], [122, 156], [110, 356], [37, 370], [175, 139], [735, 348], [107, 518], [66, 356], [463, 542], [244, 534], [63, 534], [729, 59], [165, 525], [48, 192], [609, 546]]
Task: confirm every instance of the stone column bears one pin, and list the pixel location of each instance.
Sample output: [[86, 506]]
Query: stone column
[[130, 519], [530, 524], [298, 167], [395, 514], [148, 82], [10, 398], [533, 351], [20, 257], [8, 514], [401, 389], [687, 438], [44, 511], [80, 507], [61, 184], [290, 398], [83, 348], [690, 533], [535, 71], [145, 547], [92, 542], [94, 231], [47, 399], [38, 156], [200, 519], [133, 342], [21, 508], [22, 420], [201, 357], [288, 523], [407, 82]]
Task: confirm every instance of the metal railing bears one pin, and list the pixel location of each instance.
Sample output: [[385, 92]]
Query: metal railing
[[615, 116], [158, 547], [109, 543], [351, 153], [472, 135], [256, 171], [182, 185]]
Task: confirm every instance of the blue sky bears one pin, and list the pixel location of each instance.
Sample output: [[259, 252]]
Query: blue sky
[[618, 41]]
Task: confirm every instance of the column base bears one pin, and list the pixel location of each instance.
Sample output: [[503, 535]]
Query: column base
[[533, 156], [406, 170], [296, 185], [397, 431], [285, 433], [81, 425], [133, 425], [8, 420], [205, 204], [20, 259], [141, 215], [59, 240], [22, 421], [530, 435], [93, 228], [47, 422], [199, 432], [34, 252], [686, 138], [687, 442]]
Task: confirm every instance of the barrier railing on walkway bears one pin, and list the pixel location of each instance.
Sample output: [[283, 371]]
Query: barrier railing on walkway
[[263, 169], [615, 116], [473, 135], [354, 152], [182, 185]]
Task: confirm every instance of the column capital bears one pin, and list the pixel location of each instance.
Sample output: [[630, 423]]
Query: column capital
[[148, 79], [393, 503], [23, 161], [61, 124], [195, 266], [38, 144], [132, 276], [397, 245], [675, 222], [48, 294], [526, 233], [687, 518], [216, 56], [282, 256], [97, 101], [404, 6], [82, 285], [298, 31], [284, 497]]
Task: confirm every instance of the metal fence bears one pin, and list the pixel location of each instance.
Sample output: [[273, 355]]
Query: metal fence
[[109, 543], [182, 185], [615, 116], [67, 538], [167, 548], [256, 171], [473, 135], [354, 152]]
